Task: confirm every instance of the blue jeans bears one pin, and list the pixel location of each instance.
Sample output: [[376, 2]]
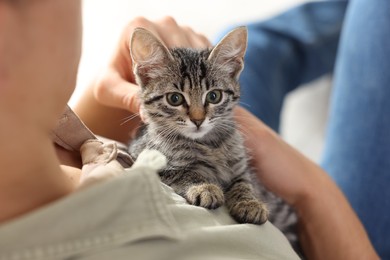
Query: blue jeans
[[351, 40]]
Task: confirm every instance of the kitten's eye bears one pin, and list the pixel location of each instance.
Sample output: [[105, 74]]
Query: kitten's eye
[[214, 97], [175, 99]]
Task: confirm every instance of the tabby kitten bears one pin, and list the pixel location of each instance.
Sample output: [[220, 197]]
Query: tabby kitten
[[188, 98]]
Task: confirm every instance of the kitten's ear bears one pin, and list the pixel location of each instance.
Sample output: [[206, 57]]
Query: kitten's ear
[[149, 56], [229, 53]]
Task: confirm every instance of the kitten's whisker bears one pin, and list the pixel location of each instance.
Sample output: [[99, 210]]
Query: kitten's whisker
[[129, 118], [243, 131], [243, 104], [164, 135], [242, 116]]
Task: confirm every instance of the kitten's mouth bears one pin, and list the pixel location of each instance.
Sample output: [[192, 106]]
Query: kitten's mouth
[[198, 129]]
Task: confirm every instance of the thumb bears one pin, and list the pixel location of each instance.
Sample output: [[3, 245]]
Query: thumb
[[112, 90]]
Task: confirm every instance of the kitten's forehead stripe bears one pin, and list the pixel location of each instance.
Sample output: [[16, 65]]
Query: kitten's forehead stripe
[[183, 67], [182, 83], [207, 84], [189, 78], [192, 67], [203, 69], [177, 87]]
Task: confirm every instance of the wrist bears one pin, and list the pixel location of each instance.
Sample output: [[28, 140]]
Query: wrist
[[317, 188], [323, 211]]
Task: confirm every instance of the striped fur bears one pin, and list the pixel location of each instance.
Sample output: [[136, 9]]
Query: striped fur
[[207, 163]]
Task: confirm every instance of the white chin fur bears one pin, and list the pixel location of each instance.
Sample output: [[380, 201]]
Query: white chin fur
[[194, 133]]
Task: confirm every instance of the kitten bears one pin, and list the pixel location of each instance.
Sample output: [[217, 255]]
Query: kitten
[[187, 99]]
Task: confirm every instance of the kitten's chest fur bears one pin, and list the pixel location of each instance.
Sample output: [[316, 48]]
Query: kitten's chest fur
[[216, 159]]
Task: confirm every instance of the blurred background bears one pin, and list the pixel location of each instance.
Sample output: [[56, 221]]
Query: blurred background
[[305, 110]]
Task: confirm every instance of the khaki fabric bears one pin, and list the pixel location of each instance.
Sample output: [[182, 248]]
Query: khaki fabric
[[127, 213], [71, 133]]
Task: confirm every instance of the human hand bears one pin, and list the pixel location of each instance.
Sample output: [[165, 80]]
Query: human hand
[[117, 87]]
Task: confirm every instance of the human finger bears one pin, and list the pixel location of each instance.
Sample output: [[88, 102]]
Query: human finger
[[171, 33], [113, 90], [196, 40]]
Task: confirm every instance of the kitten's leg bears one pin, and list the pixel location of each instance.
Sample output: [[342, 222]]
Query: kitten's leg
[[194, 188], [243, 205]]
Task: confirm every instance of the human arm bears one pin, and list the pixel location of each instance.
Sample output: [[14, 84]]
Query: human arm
[[112, 98], [328, 227]]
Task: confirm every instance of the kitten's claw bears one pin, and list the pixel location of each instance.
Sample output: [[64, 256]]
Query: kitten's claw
[[205, 195], [252, 211]]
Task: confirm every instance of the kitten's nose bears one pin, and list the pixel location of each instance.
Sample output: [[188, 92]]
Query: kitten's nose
[[197, 122]]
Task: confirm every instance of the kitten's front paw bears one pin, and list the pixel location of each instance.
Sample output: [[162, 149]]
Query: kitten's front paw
[[205, 195], [252, 211]]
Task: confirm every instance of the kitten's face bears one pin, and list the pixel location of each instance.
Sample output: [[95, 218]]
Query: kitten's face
[[189, 92], [190, 97]]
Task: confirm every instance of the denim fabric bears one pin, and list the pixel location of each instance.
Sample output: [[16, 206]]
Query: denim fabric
[[304, 43], [357, 151]]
